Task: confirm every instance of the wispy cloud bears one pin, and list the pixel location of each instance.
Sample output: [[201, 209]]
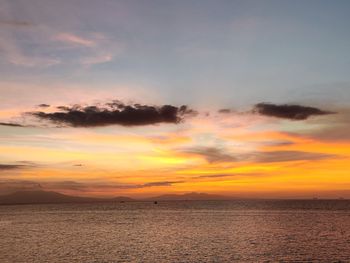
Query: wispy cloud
[[214, 175], [211, 154], [335, 129], [14, 54], [161, 183], [12, 185], [219, 155], [288, 156], [49, 47], [71, 38]]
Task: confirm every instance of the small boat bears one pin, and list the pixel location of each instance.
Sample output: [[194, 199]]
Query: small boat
[[155, 202]]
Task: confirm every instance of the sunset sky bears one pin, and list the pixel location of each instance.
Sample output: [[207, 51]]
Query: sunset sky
[[141, 98]]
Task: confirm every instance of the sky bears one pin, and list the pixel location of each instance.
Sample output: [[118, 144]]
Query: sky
[[140, 98]]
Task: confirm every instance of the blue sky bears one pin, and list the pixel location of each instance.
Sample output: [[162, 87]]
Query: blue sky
[[230, 53]]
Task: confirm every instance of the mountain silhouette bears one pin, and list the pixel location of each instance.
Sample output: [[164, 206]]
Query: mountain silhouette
[[46, 197], [188, 196]]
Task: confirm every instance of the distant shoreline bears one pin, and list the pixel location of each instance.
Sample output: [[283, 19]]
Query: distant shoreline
[[44, 197]]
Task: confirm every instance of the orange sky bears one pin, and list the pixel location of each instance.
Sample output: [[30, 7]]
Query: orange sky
[[235, 154]]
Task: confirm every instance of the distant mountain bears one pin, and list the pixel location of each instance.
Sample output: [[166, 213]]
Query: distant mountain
[[45, 197], [189, 196]]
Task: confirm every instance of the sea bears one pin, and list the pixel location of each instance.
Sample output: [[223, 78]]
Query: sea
[[177, 231]]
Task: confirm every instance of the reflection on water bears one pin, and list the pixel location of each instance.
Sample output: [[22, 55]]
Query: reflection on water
[[188, 231]]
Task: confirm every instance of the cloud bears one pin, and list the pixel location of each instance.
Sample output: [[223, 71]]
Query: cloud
[[335, 129], [115, 113], [287, 156], [93, 49], [337, 133], [11, 124], [44, 45], [7, 186], [17, 165], [224, 111], [16, 55], [75, 40], [277, 143], [288, 111], [43, 105], [225, 175], [72, 185], [211, 154], [161, 183], [12, 166], [218, 155], [76, 186], [214, 175]]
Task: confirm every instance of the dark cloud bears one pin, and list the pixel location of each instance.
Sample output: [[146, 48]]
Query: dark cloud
[[18, 165], [287, 156], [224, 111], [211, 154], [43, 105], [11, 124], [288, 111], [114, 113], [11, 166], [63, 108]]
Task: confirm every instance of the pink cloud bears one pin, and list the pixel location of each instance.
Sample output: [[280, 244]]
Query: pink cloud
[[75, 40]]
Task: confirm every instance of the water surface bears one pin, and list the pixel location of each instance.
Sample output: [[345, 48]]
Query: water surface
[[186, 231]]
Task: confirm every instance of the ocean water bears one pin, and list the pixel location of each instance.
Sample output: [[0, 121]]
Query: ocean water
[[186, 231]]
